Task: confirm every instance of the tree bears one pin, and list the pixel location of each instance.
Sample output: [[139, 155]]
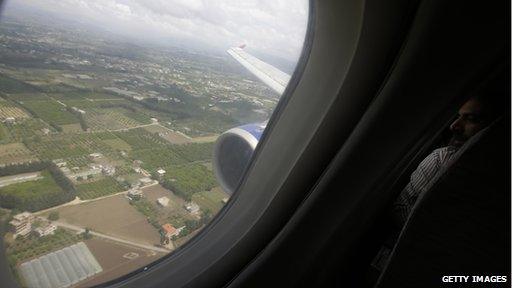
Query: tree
[[54, 216]]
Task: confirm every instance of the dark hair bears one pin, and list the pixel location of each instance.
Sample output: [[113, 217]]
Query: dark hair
[[494, 97]]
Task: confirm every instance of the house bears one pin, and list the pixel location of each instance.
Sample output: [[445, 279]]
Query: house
[[21, 224], [78, 110], [84, 174], [160, 172], [154, 120], [10, 120], [108, 170], [95, 155], [45, 131], [163, 201], [61, 164], [134, 194], [168, 231], [192, 208], [145, 180], [48, 229]]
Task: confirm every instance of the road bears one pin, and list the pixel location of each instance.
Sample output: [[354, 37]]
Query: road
[[116, 239], [130, 128], [78, 201], [19, 178]]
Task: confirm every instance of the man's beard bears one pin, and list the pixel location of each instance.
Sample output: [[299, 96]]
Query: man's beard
[[457, 140]]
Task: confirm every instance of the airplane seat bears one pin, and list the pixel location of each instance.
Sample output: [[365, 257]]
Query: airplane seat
[[459, 225]]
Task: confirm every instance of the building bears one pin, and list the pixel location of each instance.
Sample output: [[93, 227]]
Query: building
[[108, 170], [10, 120], [168, 231], [78, 110], [45, 131], [61, 164], [160, 172], [163, 201], [83, 174], [192, 208], [48, 229], [21, 224], [95, 156], [134, 194]]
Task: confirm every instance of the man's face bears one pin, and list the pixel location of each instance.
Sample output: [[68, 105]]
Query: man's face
[[468, 123]]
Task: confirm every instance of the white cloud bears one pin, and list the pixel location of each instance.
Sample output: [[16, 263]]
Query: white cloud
[[275, 27]]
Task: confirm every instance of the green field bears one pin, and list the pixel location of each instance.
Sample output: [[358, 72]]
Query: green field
[[148, 209], [154, 158], [4, 135], [141, 139], [195, 151], [65, 146], [15, 153], [103, 187], [27, 195], [27, 128], [11, 85], [22, 97], [185, 180], [117, 144], [210, 200], [50, 112], [80, 103]]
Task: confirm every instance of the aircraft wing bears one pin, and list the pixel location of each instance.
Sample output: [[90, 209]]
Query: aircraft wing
[[268, 74]]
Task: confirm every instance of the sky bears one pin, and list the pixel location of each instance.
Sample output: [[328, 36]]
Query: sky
[[272, 27]]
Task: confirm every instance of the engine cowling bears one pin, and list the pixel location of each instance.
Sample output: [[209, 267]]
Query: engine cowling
[[232, 154]]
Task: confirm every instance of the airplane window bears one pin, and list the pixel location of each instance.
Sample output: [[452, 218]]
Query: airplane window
[[127, 124]]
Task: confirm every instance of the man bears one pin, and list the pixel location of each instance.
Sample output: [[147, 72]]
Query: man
[[476, 114]]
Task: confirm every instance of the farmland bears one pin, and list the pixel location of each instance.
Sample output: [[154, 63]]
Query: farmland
[[15, 153], [185, 180], [111, 119], [117, 144], [10, 111], [32, 247], [112, 216], [210, 200], [50, 112], [92, 115], [65, 146], [171, 136], [116, 260], [32, 195], [11, 85], [26, 129], [99, 188]]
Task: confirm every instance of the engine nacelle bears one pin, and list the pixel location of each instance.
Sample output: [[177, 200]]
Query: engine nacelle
[[232, 153]]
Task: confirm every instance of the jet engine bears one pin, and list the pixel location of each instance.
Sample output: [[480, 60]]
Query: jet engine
[[232, 154]]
